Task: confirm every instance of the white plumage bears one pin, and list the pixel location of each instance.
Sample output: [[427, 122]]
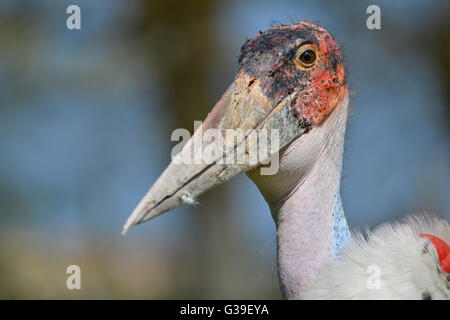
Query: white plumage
[[391, 262]]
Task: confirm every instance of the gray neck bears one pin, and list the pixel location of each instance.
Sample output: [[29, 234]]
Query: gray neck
[[304, 197]]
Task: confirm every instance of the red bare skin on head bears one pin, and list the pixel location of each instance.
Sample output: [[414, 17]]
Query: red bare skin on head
[[315, 90], [443, 251], [325, 81]]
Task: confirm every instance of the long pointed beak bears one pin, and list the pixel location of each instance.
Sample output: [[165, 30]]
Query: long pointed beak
[[215, 154]]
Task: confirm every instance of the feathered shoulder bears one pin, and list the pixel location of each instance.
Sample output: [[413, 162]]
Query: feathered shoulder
[[394, 261]]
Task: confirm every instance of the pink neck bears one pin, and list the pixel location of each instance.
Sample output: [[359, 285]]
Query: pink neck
[[302, 200]]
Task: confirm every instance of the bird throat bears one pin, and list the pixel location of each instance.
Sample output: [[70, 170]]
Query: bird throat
[[304, 197]]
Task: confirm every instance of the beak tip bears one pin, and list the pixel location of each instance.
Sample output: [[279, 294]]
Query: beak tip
[[128, 225], [137, 216]]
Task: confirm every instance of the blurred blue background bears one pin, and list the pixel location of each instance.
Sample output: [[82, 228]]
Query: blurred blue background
[[85, 123]]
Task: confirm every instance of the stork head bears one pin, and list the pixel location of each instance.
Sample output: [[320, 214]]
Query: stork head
[[300, 61], [290, 78]]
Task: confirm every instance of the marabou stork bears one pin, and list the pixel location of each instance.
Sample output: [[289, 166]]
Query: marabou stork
[[291, 78]]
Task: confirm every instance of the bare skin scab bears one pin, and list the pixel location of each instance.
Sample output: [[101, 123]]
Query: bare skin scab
[[270, 57]]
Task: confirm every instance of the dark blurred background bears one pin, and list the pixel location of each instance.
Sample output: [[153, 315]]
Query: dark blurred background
[[86, 118]]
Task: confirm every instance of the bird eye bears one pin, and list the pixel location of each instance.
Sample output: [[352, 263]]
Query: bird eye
[[306, 56]]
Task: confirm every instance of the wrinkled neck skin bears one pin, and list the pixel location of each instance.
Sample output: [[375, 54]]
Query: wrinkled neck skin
[[304, 198]]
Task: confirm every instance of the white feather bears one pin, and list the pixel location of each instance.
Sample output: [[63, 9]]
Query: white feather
[[188, 199], [408, 264]]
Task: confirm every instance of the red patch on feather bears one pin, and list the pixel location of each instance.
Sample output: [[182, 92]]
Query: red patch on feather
[[443, 251]]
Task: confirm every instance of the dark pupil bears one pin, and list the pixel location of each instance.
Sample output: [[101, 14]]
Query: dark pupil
[[308, 56]]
